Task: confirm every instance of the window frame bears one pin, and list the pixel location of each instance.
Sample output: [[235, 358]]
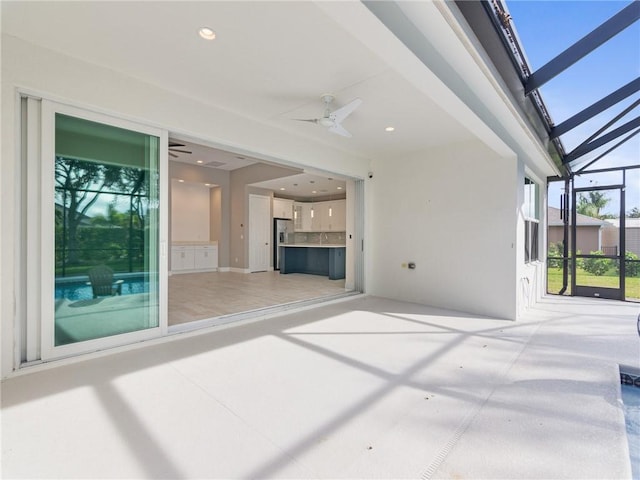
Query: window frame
[[531, 213]]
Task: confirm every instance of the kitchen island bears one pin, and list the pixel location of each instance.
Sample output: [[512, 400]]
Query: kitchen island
[[315, 259]]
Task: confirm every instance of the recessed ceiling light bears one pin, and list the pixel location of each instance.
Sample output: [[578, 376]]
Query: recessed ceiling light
[[207, 184], [312, 181], [200, 161], [282, 188], [339, 188], [295, 184], [389, 129], [180, 180], [313, 191], [207, 33], [329, 178]]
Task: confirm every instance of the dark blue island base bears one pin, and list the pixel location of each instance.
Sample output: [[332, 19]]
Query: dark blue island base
[[326, 261]]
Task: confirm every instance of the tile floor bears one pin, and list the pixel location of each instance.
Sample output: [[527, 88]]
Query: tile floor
[[197, 296], [363, 388]]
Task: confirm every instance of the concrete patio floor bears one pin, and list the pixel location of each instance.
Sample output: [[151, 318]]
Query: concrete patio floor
[[363, 388]]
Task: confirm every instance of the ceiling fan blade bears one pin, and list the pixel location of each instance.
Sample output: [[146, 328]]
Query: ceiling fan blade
[[340, 130], [310, 120], [343, 112], [174, 144], [173, 155], [180, 151]]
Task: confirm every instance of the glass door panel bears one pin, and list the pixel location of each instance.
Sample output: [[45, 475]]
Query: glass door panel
[[106, 220]]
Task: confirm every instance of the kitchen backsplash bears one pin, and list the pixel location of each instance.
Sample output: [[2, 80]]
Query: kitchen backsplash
[[332, 238]]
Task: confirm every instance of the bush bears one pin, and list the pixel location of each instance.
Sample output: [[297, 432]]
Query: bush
[[596, 266], [555, 250], [632, 269]]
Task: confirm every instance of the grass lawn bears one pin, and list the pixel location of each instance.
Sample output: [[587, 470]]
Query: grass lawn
[[554, 282]]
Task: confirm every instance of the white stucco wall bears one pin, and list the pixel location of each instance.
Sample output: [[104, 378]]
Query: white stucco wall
[[453, 212]]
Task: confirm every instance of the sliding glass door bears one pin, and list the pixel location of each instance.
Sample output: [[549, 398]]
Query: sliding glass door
[[103, 272]]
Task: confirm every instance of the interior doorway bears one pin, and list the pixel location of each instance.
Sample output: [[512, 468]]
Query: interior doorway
[[259, 233], [246, 195]]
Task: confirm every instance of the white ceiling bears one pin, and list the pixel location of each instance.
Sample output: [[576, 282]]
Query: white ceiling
[[303, 185], [306, 186], [205, 156], [270, 62]]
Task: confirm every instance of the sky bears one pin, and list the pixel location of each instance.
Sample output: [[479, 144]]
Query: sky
[[545, 29]]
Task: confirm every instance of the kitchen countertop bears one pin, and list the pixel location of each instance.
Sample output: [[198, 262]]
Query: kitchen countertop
[[314, 245]]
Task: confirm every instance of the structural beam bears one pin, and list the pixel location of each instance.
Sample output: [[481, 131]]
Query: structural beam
[[621, 20], [624, 140], [603, 140], [598, 107]]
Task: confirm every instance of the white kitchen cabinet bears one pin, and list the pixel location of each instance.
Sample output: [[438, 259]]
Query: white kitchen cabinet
[[194, 258], [335, 219], [302, 221], [282, 208], [320, 216], [182, 258], [205, 257]]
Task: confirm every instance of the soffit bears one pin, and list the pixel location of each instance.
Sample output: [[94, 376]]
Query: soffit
[[270, 62]]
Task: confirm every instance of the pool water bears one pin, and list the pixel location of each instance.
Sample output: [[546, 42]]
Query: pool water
[[79, 290], [631, 401]]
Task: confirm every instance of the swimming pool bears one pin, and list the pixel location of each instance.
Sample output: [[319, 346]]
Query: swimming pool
[[631, 406], [78, 289]]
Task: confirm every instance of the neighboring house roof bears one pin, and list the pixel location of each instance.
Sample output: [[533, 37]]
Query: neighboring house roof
[[553, 218], [628, 222]]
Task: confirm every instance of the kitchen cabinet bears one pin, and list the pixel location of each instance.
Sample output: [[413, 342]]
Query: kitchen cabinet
[[314, 260], [194, 258], [302, 221], [205, 257], [335, 216], [282, 208], [320, 216], [182, 258]]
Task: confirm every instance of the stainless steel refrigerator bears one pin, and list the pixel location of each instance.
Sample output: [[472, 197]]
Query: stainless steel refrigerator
[[282, 230]]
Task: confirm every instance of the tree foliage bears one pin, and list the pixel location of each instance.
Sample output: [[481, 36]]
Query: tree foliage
[[593, 204], [634, 213], [84, 237]]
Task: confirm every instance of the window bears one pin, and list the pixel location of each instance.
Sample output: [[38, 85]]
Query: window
[[531, 221]]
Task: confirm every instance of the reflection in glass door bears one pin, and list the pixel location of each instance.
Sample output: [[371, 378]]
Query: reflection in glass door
[[107, 232]]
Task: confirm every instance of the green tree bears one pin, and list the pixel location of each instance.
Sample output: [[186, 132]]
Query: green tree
[[78, 186], [593, 204], [634, 213]]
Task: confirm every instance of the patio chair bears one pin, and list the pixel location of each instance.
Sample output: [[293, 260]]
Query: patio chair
[[102, 284]]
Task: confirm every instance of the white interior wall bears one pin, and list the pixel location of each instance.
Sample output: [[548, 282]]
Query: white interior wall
[[452, 212], [190, 212]]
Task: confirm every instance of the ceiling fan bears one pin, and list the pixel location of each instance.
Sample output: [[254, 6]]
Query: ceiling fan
[[333, 119], [173, 148]]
